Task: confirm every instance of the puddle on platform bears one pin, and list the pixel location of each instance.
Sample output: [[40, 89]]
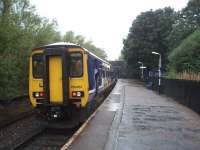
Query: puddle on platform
[[116, 93], [112, 106], [115, 97]]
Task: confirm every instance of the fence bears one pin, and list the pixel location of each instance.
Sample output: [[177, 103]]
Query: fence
[[184, 91]]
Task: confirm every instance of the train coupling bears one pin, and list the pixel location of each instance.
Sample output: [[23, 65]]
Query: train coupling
[[55, 113]]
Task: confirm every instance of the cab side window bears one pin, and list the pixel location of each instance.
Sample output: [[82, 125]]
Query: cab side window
[[76, 65], [37, 65]]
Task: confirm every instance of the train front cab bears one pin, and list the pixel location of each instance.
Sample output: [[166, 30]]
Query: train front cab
[[56, 87]]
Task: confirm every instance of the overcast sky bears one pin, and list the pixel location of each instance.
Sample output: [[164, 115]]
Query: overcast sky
[[105, 22]]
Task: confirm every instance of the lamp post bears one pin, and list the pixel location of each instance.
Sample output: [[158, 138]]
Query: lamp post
[[159, 70], [142, 67]]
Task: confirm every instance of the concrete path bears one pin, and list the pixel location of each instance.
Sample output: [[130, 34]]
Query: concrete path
[[135, 118]]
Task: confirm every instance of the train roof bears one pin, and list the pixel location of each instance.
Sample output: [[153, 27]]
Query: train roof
[[70, 45]]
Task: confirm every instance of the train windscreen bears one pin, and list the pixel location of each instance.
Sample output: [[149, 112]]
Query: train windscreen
[[76, 65], [37, 65]]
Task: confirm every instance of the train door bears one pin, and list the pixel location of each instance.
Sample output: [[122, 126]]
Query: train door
[[56, 75], [55, 79]]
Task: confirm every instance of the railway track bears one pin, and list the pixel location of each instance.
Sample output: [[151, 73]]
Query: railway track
[[45, 139], [26, 132], [8, 113], [16, 118]]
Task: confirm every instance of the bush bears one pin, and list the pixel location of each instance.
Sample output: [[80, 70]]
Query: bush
[[20, 30], [186, 57]]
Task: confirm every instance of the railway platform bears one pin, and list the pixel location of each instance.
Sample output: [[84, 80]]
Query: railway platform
[[135, 118]]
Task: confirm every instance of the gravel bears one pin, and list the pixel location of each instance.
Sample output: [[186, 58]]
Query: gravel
[[15, 133]]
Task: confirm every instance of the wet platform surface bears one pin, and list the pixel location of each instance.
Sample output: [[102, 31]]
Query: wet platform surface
[[135, 118]]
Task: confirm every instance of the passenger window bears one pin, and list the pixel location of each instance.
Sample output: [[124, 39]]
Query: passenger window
[[76, 65], [37, 65]]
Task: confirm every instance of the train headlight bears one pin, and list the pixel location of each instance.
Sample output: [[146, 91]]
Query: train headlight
[[38, 94], [77, 94], [74, 94]]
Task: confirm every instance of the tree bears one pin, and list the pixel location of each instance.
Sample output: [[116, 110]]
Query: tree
[[79, 39], [187, 21], [69, 37], [148, 33], [46, 33], [20, 30], [183, 41], [186, 57], [192, 13]]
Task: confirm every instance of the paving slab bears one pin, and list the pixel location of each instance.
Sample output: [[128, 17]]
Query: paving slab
[[135, 118]]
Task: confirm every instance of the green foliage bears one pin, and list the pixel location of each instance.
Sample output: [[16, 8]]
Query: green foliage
[[148, 33], [187, 21], [175, 35], [192, 12], [9, 73], [79, 39], [46, 33], [187, 55], [20, 30], [171, 74], [183, 42]]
